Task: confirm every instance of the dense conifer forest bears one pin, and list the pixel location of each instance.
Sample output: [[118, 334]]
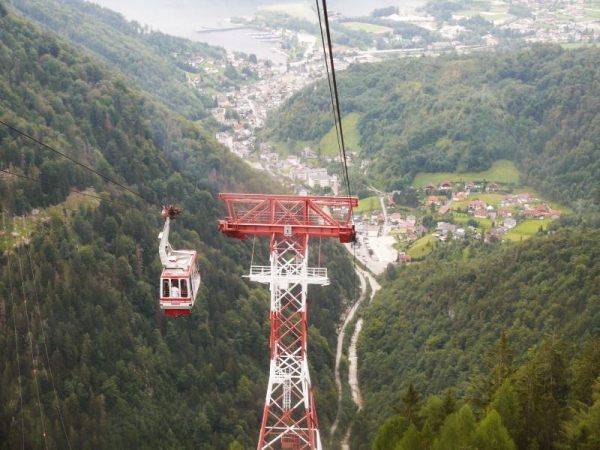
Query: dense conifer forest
[[88, 360], [506, 328]]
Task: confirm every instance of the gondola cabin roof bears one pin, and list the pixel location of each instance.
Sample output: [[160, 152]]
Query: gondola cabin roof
[[180, 263]]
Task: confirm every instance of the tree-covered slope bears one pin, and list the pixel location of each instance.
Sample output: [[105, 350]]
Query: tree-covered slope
[[538, 107], [150, 58], [88, 360], [433, 323]]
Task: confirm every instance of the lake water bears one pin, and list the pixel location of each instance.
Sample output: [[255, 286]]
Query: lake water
[[185, 17]]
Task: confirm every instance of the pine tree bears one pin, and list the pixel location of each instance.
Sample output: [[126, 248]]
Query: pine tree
[[506, 403], [491, 434], [410, 403]]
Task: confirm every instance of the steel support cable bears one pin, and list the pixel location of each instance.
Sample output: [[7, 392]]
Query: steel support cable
[[336, 93], [331, 96], [75, 191], [37, 300], [110, 180], [29, 335], [335, 104], [12, 299]]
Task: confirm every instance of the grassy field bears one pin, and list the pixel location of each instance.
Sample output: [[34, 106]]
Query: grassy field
[[369, 28], [490, 199], [368, 204], [526, 229], [462, 219], [329, 145], [422, 246], [502, 171]]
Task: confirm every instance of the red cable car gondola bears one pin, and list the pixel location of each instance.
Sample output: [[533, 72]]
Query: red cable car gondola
[[180, 278]]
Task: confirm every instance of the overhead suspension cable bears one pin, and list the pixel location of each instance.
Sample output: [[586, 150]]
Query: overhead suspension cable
[[110, 180], [337, 116], [37, 306], [13, 307], [336, 106]]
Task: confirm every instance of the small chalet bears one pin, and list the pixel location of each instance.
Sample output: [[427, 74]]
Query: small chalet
[[445, 228], [396, 217], [480, 214], [445, 185], [504, 212], [533, 214], [554, 214], [373, 231], [476, 205], [404, 258], [433, 200], [510, 223], [492, 187], [429, 186], [469, 185], [463, 195], [443, 210], [494, 234]]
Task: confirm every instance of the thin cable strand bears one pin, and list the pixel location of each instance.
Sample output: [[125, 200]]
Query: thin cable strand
[[72, 190], [37, 300], [29, 334], [12, 299], [22, 133], [337, 97]]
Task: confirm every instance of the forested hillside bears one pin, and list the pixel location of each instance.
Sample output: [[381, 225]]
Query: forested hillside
[[537, 107], [149, 58], [88, 361], [471, 317]]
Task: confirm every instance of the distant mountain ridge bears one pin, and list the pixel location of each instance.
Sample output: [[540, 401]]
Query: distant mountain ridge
[[146, 57]]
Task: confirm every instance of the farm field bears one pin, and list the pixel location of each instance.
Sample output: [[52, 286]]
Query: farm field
[[422, 246], [368, 204], [329, 144], [526, 229], [502, 171]]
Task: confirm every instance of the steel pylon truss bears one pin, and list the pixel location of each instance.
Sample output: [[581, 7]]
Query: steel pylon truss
[[289, 417]]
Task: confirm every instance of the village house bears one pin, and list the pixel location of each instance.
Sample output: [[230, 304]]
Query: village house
[[460, 196], [495, 234], [554, 214], [403, 257], [395, 217], [533, 214], [433, 200], [510, 223], [443, 210], [445, 185], [476, 205], [492, 187], [445, 228], [373, 230], [480, 213]]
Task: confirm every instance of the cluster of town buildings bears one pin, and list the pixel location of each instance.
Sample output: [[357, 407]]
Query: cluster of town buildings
[[556, 22]]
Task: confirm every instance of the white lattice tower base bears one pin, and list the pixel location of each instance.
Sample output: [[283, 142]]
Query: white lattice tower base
[[289, 418]]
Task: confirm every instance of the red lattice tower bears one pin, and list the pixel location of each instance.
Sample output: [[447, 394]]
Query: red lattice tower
[[289, 417]]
